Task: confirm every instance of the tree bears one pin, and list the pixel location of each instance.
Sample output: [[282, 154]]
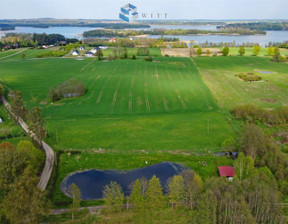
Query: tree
[[2, 90], [199, 51], [208, 52], [176, 190], [225, 51], [256, 50], [270, 51], [244, 166], [99, 54], [193, 186], [76, 196], [242, 50], [34, 157], [136, 196], [17, 105], [125, 55], [113, 197], [154, 194], [25, 203], [37, 124]]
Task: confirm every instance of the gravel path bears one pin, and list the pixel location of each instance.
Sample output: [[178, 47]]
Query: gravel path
[[47, 171]]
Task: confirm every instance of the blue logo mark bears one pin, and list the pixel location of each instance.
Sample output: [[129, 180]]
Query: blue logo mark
[[128, 13]]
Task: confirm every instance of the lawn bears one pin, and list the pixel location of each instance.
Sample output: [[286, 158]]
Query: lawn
[[228, 90], [129, 104]]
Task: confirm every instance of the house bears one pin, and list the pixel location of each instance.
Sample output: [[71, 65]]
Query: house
[[75, 53], [89, 54], [94, 50], [44, 47], [226, 171], [112, 40], [1, 121], [103, 47], [82, 48]]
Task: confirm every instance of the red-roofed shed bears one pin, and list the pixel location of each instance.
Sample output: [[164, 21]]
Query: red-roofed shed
[[226, 171]]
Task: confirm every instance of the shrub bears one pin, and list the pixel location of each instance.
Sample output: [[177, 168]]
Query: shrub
[[225, 51], [51, 54], [133, 57], [149, 58], [249, 77]]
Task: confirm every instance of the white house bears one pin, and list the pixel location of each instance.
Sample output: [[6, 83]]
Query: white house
[[44, 47], [89, 54], [94, 50], [104, 47], [1, 120], [75, 53], [82, 48]]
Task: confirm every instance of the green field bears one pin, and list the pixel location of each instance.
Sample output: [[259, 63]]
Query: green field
[[229, 90], [128, 105]]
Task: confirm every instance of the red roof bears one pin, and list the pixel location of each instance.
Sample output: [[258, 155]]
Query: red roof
[[226, 171]]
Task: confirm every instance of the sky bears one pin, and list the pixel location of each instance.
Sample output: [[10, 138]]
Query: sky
[[175, 9]]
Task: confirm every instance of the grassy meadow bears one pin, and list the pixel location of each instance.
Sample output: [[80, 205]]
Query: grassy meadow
[[229, 90]]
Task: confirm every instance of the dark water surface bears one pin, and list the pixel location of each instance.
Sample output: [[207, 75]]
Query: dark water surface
[[92, 182]]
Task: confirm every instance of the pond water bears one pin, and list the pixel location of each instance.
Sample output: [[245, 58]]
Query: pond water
[[265, 72], [91, 182]]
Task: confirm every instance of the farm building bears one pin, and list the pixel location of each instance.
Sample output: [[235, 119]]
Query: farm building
[[1, 121], [103, 47], [75, 53], [226, 171], [82, 48], [89, 54]]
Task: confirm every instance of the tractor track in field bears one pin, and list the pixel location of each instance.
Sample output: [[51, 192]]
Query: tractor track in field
[[146, 90], [182, 102], [104, 86], [130, 103], [116, 91], [199, 84], [165, 103], [85, 66]]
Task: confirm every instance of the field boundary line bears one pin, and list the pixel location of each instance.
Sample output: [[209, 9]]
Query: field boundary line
[[50, 157], [11, 55]]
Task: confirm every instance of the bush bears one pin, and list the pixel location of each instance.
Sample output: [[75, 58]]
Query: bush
[[225, 51], [70, 88], [149, 58], [133, 57], [249, 77]]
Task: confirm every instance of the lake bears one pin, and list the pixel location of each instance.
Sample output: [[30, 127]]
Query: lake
[[76, 32], [91, 182]]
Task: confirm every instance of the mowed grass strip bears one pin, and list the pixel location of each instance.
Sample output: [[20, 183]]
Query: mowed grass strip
[[229, 90]]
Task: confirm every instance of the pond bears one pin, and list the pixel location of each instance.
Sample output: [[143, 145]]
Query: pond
[[265, 72], [92, 182]]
